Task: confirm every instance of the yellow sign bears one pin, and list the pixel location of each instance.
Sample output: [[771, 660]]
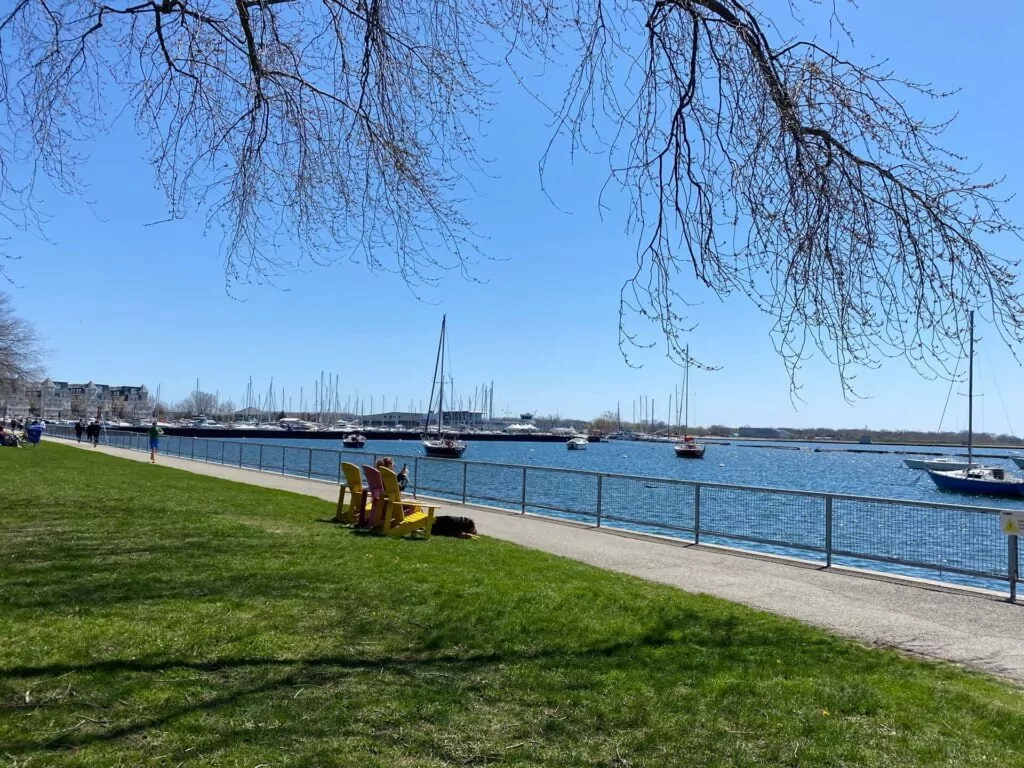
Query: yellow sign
[[1012, 523]]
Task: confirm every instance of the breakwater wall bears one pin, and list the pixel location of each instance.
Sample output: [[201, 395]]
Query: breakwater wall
[[369, 434]]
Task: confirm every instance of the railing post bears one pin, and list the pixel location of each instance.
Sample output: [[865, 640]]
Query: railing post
[[415, 477], [696, 513], [240, 452], [222, 453], [1014, 565], [309, 464], [600, 478], [261, 457], [522, 498], [828, 531], [193, 448], [284, 455], [465, 472]]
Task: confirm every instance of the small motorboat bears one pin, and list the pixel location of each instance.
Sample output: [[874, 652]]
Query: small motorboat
[[688, 448], [938, 465], [354, 441], [577, 444]]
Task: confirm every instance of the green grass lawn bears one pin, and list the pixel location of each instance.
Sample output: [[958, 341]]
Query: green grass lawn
[[153, 617]]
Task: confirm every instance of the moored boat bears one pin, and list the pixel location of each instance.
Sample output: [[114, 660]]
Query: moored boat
[[980, 481], [447, 446], [688, 448], [938, 465], [443, 445], [577, 444], [354, 441]]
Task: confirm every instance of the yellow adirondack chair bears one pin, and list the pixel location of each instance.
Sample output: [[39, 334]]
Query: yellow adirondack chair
[[349, 512], [402, 516]]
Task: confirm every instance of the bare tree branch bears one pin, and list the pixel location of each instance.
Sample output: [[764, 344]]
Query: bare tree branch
[[779, 170], [21, 354], [756, 164]]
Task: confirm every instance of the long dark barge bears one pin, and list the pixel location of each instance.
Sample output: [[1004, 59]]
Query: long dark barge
[[369, 434]]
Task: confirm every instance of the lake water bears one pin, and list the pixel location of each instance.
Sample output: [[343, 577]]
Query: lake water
[[877, 474]]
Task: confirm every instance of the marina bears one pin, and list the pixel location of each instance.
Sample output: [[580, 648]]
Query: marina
[[477, 434]]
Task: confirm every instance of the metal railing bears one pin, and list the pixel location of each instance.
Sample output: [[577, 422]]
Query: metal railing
[[957, 544]]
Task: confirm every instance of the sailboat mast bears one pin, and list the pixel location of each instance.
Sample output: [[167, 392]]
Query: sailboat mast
[[440, 399], [686, 391], [970, 391]]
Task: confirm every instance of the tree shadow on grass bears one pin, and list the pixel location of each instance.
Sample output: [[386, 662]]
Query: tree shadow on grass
[[412, 658], [302, 671], [664, 649]]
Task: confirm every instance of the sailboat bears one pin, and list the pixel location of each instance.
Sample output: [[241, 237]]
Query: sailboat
[[980, 481], [688, 448], [441, 444]]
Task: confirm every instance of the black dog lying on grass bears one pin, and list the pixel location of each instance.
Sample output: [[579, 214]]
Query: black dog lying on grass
[[459, 527]]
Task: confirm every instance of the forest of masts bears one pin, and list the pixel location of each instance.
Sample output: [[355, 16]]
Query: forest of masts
[[325, 402]]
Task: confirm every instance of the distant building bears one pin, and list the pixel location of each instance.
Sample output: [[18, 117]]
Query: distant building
[[392, 419], [469, 418], [414, 421], [50, 399]]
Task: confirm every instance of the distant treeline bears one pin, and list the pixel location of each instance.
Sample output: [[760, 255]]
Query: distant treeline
[[899, 436], [606, 424]]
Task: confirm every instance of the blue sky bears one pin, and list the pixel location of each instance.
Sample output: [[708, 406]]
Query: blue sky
[[120, 302]]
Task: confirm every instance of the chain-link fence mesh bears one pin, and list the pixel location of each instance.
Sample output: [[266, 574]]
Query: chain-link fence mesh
[[557, 493], [325, 464], [647, 504], [941, 539], [499, 485], [779, 522]]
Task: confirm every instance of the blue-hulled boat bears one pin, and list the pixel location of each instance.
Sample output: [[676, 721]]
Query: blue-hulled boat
[[979, 481]]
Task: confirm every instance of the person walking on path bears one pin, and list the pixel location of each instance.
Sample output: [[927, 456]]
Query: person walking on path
[[92, 432], [79, 429], [154, 441]]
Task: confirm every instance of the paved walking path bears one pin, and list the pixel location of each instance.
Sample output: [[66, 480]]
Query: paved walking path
[[975, 629]]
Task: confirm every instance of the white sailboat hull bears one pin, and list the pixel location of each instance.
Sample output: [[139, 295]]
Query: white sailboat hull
[[937, 465]]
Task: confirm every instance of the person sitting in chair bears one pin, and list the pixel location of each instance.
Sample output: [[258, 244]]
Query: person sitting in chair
[[388, 463]]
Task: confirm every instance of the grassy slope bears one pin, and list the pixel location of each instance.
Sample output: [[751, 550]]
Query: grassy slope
[[153, 617]]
